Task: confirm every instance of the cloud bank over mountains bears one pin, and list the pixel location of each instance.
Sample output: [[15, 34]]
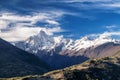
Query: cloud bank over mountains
[[15, 27]]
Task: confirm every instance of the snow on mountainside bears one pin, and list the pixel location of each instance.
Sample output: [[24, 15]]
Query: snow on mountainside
[[66, 52], [86, 42], [42, 41]]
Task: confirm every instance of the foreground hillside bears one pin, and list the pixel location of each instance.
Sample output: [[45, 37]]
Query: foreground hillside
[[16, 62], [107, 68]]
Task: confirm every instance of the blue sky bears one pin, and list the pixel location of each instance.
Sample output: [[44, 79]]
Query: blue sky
[[20, 19]]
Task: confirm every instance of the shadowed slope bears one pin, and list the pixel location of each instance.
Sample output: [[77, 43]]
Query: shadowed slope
[[16, 62]]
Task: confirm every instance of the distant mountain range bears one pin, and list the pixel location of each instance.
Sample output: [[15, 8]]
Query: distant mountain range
[[16, 62], [59, 52]]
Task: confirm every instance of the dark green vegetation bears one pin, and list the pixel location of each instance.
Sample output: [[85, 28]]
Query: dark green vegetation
[[15, 62]]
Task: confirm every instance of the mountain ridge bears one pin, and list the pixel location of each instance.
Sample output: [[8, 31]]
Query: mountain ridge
[[60, 49]]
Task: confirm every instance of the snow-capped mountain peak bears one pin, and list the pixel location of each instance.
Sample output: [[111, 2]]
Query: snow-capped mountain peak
[[42, 34], [46, 42], [40, 42], [88, 41]]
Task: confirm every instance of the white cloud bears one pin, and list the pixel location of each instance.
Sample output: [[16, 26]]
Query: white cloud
[[117, 33], [25, 26], [71, 1], [109, 33], [111, 27], [112, 5], [106, 34], [103, 5], [3, 24], [52, 22], [50, 31], [32, 19], [20, 33]]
